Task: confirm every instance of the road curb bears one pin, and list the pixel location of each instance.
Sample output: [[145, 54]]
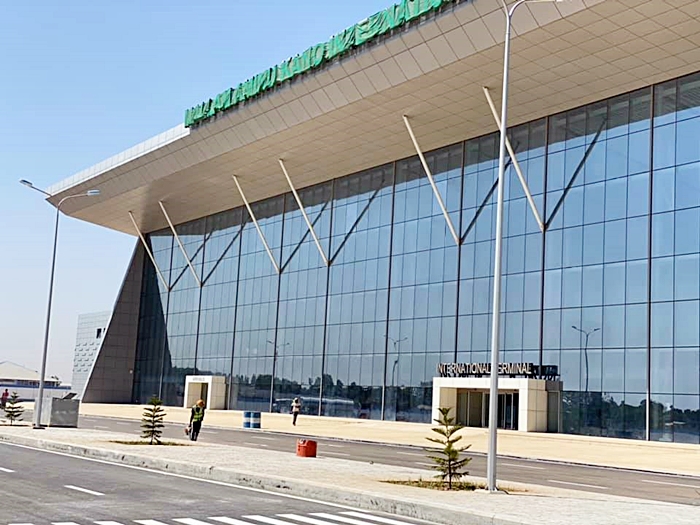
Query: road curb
[[446, 514]]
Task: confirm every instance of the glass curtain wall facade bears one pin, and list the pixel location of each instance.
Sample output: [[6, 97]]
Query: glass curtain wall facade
[[609, 292]]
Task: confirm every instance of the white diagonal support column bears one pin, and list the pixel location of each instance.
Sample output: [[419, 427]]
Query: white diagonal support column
[[179, 243], [432, 181], [516, 164], [148, 251], [257, 226], [303, 212]]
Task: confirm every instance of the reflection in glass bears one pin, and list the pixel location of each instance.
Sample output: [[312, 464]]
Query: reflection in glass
[[621, 257]]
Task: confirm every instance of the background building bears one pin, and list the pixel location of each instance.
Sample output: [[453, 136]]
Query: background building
[[90, 332], [605, 126], [25, 382]]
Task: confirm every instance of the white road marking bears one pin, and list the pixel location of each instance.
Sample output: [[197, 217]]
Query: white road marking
[[350, 521], [264, 437], [411, 454], [336, 453], [64, 523], [577, 484], [149, 522], [425, 464], [180, 476], [271, 521], [672, 484], [230, 521], [103, 428], [334, 446], [254, 444], [306, 519], [108, 523], [208, 432], [125, 424], [21, 524], [6, 470], [190, 521], [86, 491], [521, 466], [380, 519]]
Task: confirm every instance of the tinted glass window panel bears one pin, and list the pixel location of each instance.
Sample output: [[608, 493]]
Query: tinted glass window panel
[[662, 370], [688, 141], [689, 97], [686, 365], [592, 288], [688, 186], [639, 145], [613, 364], [664, 146], [687, 277], [662, 231], [614, 283], [635, 370], [615, 240], [686, 329]]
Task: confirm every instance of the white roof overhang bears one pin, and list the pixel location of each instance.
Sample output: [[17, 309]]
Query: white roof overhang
[[347, 116]]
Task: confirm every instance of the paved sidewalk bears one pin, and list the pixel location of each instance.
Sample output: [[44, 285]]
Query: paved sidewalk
[[360, 485], [674, 458]]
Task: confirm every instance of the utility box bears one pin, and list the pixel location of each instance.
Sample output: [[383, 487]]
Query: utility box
[[57, 412]]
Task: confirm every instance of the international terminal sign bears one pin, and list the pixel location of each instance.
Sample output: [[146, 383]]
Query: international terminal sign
[[530, 370]]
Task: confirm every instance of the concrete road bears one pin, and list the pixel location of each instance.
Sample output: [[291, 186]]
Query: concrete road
[[41, 488], [661, 487]]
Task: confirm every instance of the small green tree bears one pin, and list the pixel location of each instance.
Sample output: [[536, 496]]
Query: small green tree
[[152, 421], [13, 410], [448, 463]]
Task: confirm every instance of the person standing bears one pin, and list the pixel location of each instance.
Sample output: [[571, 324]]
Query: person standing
[[196, 418], [4, 398], [296, 408]]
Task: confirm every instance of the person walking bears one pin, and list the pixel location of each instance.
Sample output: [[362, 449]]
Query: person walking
[[296, 408], [196, 418], [4, 398]]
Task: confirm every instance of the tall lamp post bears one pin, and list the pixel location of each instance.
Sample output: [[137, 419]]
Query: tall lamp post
[[396, 343], [40, 397], [496, 321], [274, 366], [585, 348]]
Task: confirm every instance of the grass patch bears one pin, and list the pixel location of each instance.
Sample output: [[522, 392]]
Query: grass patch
[[442, 485], [437, 484], [162, 443]]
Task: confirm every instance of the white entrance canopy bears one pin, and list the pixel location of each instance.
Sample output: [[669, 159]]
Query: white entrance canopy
[[532, 407]]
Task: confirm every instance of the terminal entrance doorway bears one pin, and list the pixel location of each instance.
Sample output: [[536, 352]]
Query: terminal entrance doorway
[[473, 409]]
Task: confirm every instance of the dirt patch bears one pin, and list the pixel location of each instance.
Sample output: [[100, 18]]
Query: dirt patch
[[161, 444]]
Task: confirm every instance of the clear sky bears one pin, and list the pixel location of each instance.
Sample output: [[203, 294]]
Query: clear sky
[[83, 80]]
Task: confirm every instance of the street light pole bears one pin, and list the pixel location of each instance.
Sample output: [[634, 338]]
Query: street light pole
[[274, 367], [585, 348], [40, 397], [496, 320]]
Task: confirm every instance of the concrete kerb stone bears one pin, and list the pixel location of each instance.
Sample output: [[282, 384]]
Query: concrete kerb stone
[[445, 514]]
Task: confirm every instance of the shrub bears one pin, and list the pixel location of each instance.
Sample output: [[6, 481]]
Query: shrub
[[448, 463], [13, 410], [152, 421]]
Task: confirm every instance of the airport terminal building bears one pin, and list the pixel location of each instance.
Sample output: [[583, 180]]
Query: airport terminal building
[[293, 243]]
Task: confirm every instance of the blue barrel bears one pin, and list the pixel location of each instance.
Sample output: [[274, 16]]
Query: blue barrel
[[251, 419]]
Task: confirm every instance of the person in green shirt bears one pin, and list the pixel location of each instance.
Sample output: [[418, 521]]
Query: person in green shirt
[[196, 418]]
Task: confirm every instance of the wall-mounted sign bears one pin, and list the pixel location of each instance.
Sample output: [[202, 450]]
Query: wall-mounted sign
[[547, 372]]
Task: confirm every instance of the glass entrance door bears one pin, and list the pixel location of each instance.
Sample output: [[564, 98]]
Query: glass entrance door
[[508, 406], [473, 409]]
